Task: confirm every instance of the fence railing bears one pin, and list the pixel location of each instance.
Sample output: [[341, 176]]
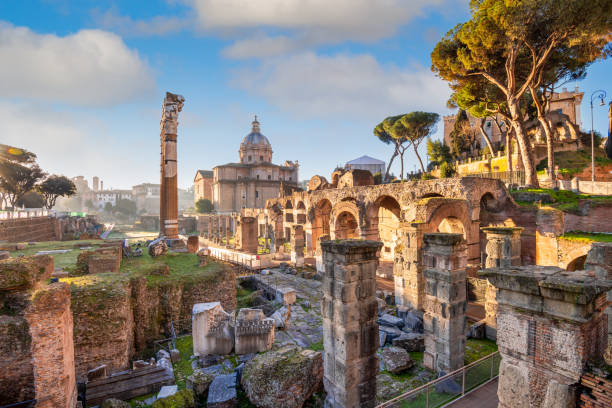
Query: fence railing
[[25, 213], [443, 390], [508, 177]]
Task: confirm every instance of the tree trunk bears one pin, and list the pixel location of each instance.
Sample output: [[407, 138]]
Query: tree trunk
[[531, 177], [390, 162], [402, 165], [547, 131], [416, 151], [486, 137], [509, 149]]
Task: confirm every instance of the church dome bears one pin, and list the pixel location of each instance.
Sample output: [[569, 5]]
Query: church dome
[[255, 137]]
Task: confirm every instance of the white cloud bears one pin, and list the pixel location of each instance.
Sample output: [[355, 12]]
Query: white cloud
[[305, 23], [90, 67], [357, 86], [128, 27]]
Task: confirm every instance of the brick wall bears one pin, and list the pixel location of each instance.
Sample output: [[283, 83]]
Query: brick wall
[[596, 392], [29, 229], [594, 218]]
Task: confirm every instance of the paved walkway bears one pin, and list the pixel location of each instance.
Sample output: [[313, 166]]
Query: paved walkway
[[483, 397]]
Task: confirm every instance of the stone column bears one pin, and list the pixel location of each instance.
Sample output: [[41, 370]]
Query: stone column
[[320, 265], [599, 260], [550, 322], [407, 267], [297, 245], [308, 238], [168, 203], [248, 234], [503, 250], [228, 235], [444, 322], [209, 224], [549, 225], [350, 333]]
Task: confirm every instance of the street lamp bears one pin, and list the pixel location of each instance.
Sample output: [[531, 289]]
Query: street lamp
[[601, 95]]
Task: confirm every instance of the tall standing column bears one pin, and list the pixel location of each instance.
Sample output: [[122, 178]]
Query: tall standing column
[[227, 230], [551, 322], [444, 258], [168, 203], [503, 250], [350, 333], [209, 225]]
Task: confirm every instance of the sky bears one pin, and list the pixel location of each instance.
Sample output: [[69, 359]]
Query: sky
[[82, 82]]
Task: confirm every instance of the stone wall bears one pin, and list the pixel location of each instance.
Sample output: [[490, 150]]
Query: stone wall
[[29, 229], [591, 217], [116, 317], [36, 331]]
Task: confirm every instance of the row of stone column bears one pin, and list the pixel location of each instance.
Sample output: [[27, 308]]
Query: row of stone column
[[549, 321], [220, 226]]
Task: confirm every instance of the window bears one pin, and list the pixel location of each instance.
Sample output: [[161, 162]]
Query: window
[[250, 158], [289, 178], [258, 177], [260, 158], [256, 194], [269, 177]]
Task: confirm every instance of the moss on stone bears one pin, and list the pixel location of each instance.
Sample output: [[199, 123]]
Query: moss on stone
[[182, 399]]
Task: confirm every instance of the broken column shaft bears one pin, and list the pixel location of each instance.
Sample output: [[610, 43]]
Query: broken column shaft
[[350, 333], [297, 245], [444, 259], [168, 204], [503, 249]]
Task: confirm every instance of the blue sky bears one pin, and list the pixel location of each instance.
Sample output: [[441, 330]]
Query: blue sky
[[82, 82]]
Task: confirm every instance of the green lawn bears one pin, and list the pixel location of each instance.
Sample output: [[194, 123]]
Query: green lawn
[[586, 236], [60, 260], [563, 200]]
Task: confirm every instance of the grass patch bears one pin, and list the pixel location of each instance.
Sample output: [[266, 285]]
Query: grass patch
[[476, 349], [64, 261], [563, 200], [182, 368], [244, 297], [318, 346], [580, 236]]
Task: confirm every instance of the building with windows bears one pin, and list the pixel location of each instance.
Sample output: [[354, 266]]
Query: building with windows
[[202, 185], [249, 183]]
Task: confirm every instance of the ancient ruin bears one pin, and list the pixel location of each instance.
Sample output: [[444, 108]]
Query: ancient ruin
[[168, 205], [350, 332]]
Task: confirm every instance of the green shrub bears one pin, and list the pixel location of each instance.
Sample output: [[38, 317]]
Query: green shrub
[[446, 170]]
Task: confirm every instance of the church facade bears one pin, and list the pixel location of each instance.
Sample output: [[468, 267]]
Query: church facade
[[249, 183]]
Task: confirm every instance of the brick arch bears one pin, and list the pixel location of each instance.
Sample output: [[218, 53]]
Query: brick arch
[[319, 215], [456, 210], [569, 257], [349, 207], [383, 217]]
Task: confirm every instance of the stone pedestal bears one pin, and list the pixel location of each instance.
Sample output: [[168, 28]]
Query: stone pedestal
[[503, 250], [168, 203], [211, 329], [350, 333], [254, 332], [550, 322], [549, 225], [247, 235], [193, 244], [444, 322], [407, 267], [297, 245]]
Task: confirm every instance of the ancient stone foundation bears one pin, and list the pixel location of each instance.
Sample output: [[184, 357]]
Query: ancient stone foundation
[[444, 322], [550, 322], [599, 260], [254, 332], [320, 265], [297, 245], [350, 333], [36, 331], [503, 249]]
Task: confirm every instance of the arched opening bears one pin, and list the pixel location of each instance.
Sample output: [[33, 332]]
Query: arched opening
[[301, 206], [451, 225], [385, 221], [577, 264], [288, 204], [320, 224], [488, 203], [346, 226]]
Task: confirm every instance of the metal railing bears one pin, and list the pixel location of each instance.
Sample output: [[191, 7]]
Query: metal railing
[[26, 213], [443, 390], [508, 177]]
